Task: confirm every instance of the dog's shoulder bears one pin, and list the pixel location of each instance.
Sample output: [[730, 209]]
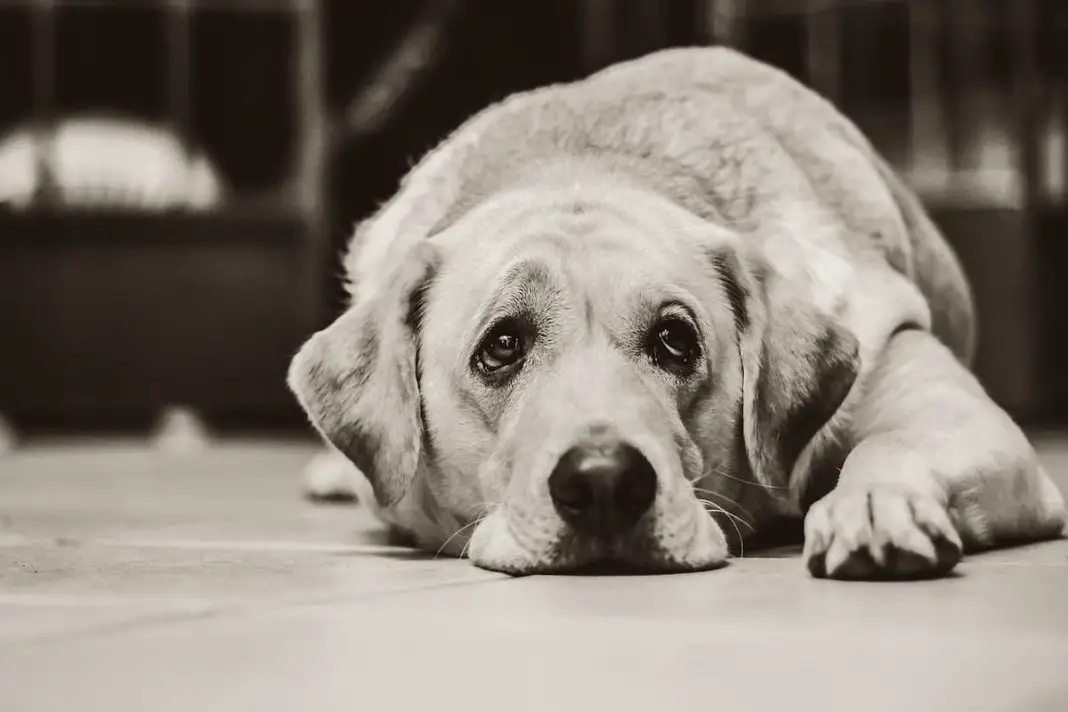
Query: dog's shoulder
[[885, 225]]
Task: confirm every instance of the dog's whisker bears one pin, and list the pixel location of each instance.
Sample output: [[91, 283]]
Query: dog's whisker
[[728, 476], [483, 511], [467, 544], [456, 534], [720, 508], [713, 507], [738, 532], [733, 502]]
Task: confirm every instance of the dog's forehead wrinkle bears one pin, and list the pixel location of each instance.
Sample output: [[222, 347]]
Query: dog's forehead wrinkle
[[525, 275], [588, 312], [521, 282]]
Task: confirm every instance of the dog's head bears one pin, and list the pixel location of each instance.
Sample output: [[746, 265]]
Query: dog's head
[[583, 376]]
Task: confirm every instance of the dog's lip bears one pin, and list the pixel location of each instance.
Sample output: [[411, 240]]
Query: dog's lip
[[622, 567], [610, 566], [599, 557]]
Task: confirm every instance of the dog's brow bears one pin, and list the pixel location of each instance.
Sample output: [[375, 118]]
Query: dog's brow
[[518, 279], [510, 290]]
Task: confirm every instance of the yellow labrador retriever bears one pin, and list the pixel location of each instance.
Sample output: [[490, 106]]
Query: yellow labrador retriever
[[634, 319]]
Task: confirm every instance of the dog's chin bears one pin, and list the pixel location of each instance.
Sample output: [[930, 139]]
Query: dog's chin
[[696, 543]]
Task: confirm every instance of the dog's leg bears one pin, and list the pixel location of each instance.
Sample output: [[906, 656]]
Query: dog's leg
[[937, 468]]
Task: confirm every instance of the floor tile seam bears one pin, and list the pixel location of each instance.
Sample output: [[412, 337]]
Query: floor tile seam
[[60, 542], [233, 611]]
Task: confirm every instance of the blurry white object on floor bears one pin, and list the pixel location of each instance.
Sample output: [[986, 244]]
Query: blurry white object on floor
[[181, 431], [331, 477], [9, 439], [99, 162]]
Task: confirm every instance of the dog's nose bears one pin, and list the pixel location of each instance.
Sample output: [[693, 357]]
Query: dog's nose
[[602, 488]]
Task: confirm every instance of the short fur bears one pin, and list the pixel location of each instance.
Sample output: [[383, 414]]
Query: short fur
[[835, 327]]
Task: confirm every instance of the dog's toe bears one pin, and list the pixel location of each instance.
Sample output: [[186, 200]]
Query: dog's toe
[[880, 532]]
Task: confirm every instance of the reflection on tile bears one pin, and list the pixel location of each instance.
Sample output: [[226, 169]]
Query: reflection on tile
[[232, 491], [1018, 600], [363, 656], [34, 617], [216, 575]]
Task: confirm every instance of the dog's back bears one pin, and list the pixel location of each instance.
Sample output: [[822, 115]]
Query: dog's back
[[771, 142]]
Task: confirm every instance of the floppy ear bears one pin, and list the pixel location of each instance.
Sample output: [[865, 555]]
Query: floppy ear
[[358, 379], [798, 366]]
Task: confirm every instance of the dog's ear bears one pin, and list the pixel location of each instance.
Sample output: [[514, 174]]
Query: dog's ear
[[798, 365], [358, 378]]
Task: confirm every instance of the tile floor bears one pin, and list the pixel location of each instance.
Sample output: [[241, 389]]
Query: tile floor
[[130, 580]]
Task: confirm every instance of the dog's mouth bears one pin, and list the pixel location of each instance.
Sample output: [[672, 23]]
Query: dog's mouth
[[617, 567], [568, 565], [682, 544]]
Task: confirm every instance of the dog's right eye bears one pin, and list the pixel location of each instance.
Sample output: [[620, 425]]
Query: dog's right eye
[[673, 345], [501, 348]]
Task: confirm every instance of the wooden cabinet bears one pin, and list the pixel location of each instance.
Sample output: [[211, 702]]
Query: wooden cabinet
[[119, 315]]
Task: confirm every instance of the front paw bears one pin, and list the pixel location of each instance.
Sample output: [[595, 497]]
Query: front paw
[[880, 532]]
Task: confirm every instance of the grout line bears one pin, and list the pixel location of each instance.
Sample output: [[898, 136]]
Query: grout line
[[18, 540], [233, 611], [64, 600]]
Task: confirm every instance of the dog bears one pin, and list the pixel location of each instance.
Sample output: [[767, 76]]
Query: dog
[[631, 321]]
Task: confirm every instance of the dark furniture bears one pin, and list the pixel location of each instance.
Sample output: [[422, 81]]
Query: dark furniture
[[109, 317]]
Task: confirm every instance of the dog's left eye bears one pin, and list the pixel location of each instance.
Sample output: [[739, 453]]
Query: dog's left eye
[[502, 347], [673, 345]]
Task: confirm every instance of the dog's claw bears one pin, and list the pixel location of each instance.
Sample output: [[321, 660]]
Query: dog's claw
[[880, 532]]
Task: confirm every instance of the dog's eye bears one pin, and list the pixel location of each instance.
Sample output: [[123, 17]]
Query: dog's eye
[[502, 347], [673, 345]]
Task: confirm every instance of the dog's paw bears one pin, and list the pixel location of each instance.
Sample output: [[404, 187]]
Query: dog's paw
[[329, 477], [880, 532]]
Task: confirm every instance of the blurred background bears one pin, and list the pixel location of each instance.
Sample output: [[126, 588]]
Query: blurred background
[[177, 177]]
